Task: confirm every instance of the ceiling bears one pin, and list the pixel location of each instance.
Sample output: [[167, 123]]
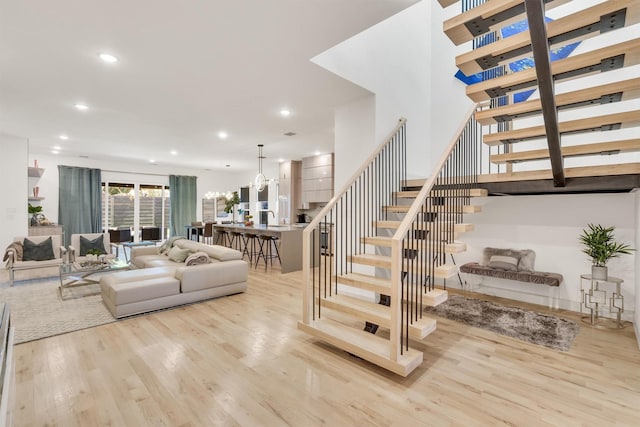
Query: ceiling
[[186, 71]]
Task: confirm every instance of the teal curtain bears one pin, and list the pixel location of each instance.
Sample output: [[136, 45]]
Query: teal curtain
[[183, 200], [79, 200]]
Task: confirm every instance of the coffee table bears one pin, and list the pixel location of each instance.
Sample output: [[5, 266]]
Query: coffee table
[[87, 273]]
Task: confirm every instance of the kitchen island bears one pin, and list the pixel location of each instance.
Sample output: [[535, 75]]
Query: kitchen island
[[290, 236]]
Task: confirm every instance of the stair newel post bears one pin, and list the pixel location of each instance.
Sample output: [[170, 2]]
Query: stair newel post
[[307, 290], [395, 326]]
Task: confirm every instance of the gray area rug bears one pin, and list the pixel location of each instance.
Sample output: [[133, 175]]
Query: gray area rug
[[542, 329], [37, 311]]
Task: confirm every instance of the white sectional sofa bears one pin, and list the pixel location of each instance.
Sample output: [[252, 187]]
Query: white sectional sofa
[[159, 282]]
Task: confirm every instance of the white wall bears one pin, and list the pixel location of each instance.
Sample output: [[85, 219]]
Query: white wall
[[550, 225], [395, 61], [636, 321], [14, 218], [354, 133]]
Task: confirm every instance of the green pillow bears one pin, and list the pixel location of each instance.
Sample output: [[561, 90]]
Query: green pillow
[[178, 255], [37, 251], [86, 245]]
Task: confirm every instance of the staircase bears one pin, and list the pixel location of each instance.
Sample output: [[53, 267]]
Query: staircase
[[561, 142], [391, 239], [386, 238]]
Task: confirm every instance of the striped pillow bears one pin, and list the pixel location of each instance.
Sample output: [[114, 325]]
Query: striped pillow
[[504, 262]]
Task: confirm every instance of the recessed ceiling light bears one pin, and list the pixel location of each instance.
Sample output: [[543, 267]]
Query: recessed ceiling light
[[108, 58], [173, 152], [281, 160], [317, 153], [152, 161], [222, 135], [82, 107], [55, 152], [285, 113], [63, 137], [57, 147]]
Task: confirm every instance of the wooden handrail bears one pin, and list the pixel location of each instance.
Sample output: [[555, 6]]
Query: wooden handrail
[[308, 300], [353, 178]]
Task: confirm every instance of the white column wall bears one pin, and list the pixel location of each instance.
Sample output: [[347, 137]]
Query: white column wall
[[408, 64], [14, 217]]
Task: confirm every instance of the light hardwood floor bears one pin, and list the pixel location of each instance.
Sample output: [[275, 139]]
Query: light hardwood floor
[[241, 360]]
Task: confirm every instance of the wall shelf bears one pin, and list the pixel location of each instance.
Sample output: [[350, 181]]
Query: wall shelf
[[35, 199]]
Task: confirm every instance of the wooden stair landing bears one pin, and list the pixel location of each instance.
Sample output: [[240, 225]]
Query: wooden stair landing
[[363, 344], [376, 313]]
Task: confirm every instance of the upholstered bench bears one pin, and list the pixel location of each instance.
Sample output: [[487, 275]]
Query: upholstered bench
[[513, 264], [538, 277]]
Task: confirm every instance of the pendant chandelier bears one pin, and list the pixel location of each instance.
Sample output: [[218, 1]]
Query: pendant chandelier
[[261, 180]]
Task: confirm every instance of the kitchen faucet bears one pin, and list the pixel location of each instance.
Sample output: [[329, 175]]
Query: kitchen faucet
[[272, 213]]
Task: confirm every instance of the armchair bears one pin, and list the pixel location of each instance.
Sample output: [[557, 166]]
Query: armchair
[[78, 247], [17, 260]]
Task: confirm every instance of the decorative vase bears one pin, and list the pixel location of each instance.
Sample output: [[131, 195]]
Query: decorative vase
[[34, 220], [599, 273], [35, 164]]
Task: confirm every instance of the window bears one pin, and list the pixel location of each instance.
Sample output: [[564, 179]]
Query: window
[[154, 207], [136, 206], [118, 205]]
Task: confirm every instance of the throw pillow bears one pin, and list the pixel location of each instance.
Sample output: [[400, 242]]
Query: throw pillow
[[178, 255], [37, 251], [504, 262], [86, 245]]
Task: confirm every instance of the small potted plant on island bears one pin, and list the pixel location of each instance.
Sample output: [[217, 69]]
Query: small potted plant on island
[[600, 246]]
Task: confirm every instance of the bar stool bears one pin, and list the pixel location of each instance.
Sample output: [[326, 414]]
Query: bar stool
[[266, 253], [250, 246], [235, 240], [222, 237]]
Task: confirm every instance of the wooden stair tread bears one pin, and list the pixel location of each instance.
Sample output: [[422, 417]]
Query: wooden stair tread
[[444, 271], [385, 241], [622, 146], [512, 136], [458, 227], [518, 45], [363, 344], [511, 111], [364, 281], [446, 3], [577, 172], [470, 192], [458, 32], [498, 86], [432, 208], [376, 313]]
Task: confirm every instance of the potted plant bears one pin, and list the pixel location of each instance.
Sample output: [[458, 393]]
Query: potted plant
[[93, 255], [230, 203], [34, 211], [600, 246]]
